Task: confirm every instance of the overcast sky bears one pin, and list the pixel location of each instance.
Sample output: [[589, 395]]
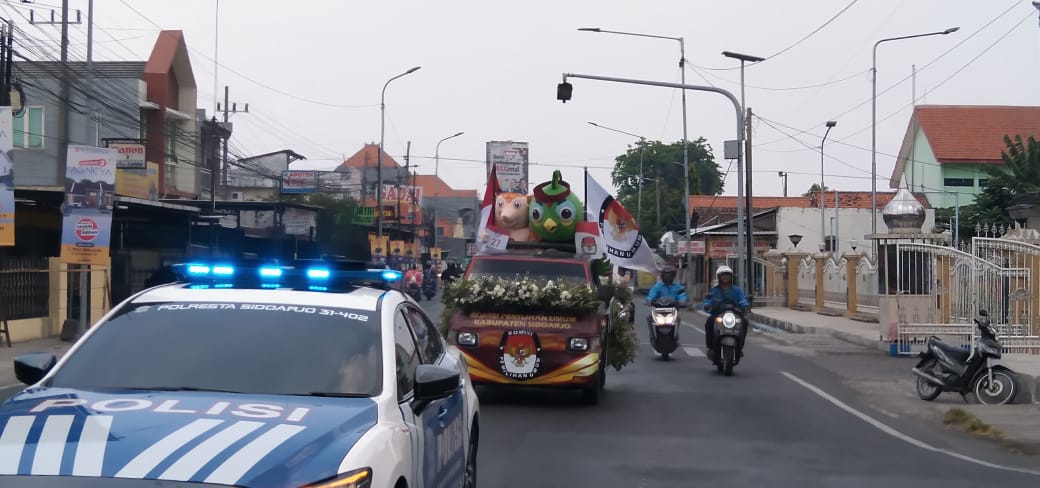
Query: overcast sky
[[491, 71]]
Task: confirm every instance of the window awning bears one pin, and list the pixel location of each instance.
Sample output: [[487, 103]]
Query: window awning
[[177, 114]]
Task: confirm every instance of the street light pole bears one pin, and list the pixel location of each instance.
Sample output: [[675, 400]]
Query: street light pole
[[783, 174], [685, 139], [642, 147], [873, 127], [750, 249], [563, 94], [437, 174], [379, 169], [823, 204]]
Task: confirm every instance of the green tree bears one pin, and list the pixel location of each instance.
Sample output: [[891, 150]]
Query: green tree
[[814, 189], [1019, 174], [663, 173]]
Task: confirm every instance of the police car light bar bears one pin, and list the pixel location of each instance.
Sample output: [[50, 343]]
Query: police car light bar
[[312, 275]]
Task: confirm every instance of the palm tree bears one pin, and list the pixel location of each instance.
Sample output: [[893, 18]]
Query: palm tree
[[1021, 170]]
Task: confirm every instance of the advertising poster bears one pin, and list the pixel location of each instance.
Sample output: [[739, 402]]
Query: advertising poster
[[435, 254], [509, 160], [90, 186], [377, 247], [6, 179], [131, 155], [294, 181], [139, 183]]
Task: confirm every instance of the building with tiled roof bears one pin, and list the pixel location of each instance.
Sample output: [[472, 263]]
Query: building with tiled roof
[[947, 148], [711, 209]]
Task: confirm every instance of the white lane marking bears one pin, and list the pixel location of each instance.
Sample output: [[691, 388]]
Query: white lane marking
[[51, 445], [232, 470], [12, 442], [20, 385], [693, 352], [140, 466], [694, 327], [90, 451], [899, 435], [194, 460]]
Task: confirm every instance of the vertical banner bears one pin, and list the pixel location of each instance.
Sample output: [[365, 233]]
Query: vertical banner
[[377, 247], [435, 254], [90, 185], [510, 161], [6, 179]]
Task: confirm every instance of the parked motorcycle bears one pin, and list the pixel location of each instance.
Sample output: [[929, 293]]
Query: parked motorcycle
[[664, 325], [729, 331], [944, 367]]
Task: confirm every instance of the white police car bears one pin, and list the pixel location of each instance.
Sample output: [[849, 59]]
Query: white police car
[[248, 375]]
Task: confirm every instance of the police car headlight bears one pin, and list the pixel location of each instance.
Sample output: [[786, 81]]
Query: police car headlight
[[467, 339], [578, 344], [361, 478]]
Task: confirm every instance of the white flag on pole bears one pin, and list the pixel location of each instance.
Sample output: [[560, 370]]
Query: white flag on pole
[[619, 232]]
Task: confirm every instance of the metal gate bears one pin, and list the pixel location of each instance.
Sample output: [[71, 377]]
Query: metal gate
[[941, 289]]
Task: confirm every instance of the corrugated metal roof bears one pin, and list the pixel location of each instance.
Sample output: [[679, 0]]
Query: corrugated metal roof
[[78, 69]]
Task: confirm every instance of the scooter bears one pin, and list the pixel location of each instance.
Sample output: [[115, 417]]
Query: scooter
[[664, 325], [944, 367], [429, 286], [729, 331]]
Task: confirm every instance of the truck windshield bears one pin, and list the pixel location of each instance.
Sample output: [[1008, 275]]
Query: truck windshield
[[534, 269]]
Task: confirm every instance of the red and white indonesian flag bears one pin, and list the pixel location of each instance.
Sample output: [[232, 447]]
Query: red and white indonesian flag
[[490, 238], [619, 232]]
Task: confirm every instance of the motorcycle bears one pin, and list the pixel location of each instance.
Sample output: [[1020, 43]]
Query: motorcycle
[[414, 290], [729, 329], [947, 368], [664, 326], [429, 286]]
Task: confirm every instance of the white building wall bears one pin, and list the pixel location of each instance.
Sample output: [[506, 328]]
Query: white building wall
[[851, 223]]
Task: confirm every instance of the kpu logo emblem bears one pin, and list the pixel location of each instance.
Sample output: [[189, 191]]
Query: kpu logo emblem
[[519, 354]]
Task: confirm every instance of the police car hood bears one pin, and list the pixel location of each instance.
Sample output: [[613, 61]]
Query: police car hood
[[217, 438]]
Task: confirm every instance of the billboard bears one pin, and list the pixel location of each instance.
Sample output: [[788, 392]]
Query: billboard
[[294, 181], [6, 179], [405, 194], [511, 161], [138, 183], [90, 185], [131, 155]]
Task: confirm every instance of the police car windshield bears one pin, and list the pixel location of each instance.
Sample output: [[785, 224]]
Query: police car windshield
[[239, 347], [535, 269]]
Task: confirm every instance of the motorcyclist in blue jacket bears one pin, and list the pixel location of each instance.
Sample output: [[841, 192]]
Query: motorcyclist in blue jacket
[[667, 288], [722, 294]]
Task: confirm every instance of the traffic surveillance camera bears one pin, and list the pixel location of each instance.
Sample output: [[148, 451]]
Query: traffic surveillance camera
[[563, 91]]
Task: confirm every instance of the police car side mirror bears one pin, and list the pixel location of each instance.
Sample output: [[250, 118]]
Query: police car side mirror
[[30, 368], [433, 383]]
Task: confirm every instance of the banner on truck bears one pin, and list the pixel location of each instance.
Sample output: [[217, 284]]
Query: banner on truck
[[90, 186], [6, 178], [510, 161]]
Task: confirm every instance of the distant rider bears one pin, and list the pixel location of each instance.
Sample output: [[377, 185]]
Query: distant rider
[[724, 293], [667, 288]]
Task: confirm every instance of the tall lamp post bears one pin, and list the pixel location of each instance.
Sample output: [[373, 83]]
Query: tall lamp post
[[750, 271], [873, 126], [379, 169], [642, 146], [437, 174], [823, 205], [685, 145]]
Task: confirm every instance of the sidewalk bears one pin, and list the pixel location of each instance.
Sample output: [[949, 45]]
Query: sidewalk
[[1026, 366], [7, 354]]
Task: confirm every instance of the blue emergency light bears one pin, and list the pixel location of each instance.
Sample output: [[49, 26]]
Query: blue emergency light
[[300, 274]]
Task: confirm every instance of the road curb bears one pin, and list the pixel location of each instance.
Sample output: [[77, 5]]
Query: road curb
[[1029, 385]]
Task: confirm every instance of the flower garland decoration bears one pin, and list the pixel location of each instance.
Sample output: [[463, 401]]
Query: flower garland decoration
[[622, 342], [516, 295]]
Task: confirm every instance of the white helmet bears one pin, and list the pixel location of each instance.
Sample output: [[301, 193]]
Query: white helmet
[[723, 270]]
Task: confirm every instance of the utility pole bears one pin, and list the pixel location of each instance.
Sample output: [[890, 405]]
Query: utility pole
[[228, 108], [750, 209], [407, 165]]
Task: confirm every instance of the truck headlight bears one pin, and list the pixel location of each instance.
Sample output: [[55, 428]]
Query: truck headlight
[[578, 344], [360, 478], [466, 338]]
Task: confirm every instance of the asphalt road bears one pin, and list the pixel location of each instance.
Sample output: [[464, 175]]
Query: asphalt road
[[679, 423]]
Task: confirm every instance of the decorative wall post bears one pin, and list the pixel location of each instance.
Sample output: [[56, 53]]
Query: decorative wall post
[[773, 283], [821, 261], [852, 280], [794, 260]]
